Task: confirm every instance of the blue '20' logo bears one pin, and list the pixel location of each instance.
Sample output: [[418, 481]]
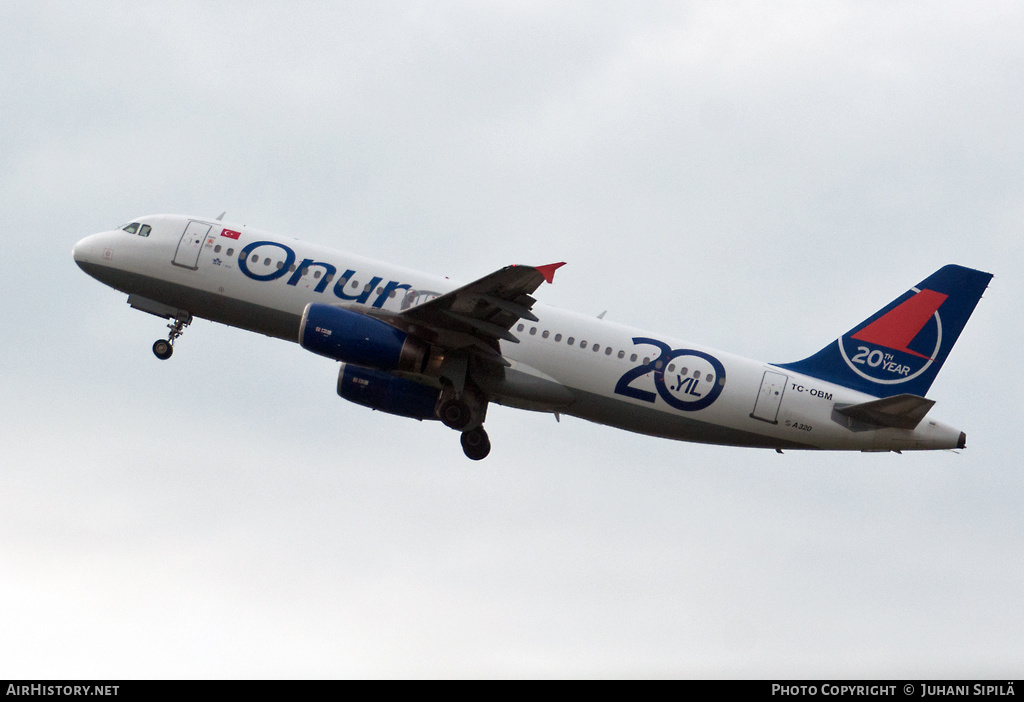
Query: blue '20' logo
[[695, 381]]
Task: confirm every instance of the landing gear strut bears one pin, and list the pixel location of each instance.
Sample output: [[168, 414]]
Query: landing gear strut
[[163, 348], [475, 444]]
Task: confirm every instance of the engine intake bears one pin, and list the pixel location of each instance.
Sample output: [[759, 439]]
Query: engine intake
[[380, 391], [353, 337]]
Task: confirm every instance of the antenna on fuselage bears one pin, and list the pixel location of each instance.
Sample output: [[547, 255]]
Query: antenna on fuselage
[[222, 215]]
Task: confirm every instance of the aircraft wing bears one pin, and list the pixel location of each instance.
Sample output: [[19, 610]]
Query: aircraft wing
[[479, 315]]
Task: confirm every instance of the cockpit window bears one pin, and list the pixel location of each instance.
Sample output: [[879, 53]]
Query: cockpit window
[[137, 228]]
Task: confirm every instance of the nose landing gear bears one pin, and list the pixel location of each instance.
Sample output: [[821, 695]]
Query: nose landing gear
[[163, 348]]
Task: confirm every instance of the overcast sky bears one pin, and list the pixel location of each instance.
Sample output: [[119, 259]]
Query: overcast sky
[[757, 177]]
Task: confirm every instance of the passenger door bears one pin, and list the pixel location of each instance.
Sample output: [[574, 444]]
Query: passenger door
[[773, 385], [191, 244]]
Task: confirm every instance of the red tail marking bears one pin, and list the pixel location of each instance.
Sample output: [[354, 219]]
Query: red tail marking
[[898, 327], [548, 271]]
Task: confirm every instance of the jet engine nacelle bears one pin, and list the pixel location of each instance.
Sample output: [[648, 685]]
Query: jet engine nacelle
[[356, 338], [387, 393]]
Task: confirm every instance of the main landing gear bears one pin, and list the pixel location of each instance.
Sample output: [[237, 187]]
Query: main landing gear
[[455, 414], [163, 348], [475, 444], [465, 413]]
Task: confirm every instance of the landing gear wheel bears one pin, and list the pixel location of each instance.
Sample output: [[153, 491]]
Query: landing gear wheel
[[455, 414], [162, 349], [475, 444]]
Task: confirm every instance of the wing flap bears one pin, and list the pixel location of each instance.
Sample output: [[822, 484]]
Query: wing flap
[[486, 328], [512, 307], [484, 310]]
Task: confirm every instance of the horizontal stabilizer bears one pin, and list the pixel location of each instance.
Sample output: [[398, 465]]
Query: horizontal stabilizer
[[898, 411]]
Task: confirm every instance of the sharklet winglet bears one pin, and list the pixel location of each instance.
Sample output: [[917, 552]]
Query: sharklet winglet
[[548, 271]]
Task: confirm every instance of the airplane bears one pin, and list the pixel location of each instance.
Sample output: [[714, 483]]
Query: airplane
[[423, 347]]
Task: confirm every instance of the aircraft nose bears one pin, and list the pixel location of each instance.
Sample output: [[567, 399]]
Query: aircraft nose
[[82, 250]]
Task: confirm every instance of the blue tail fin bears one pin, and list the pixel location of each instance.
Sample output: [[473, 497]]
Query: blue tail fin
[[900, 349]]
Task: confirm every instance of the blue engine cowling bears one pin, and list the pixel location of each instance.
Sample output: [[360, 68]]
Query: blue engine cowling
[[353, 337], [387, 393]]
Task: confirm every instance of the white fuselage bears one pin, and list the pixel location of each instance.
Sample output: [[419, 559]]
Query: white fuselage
[[617, 375]]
